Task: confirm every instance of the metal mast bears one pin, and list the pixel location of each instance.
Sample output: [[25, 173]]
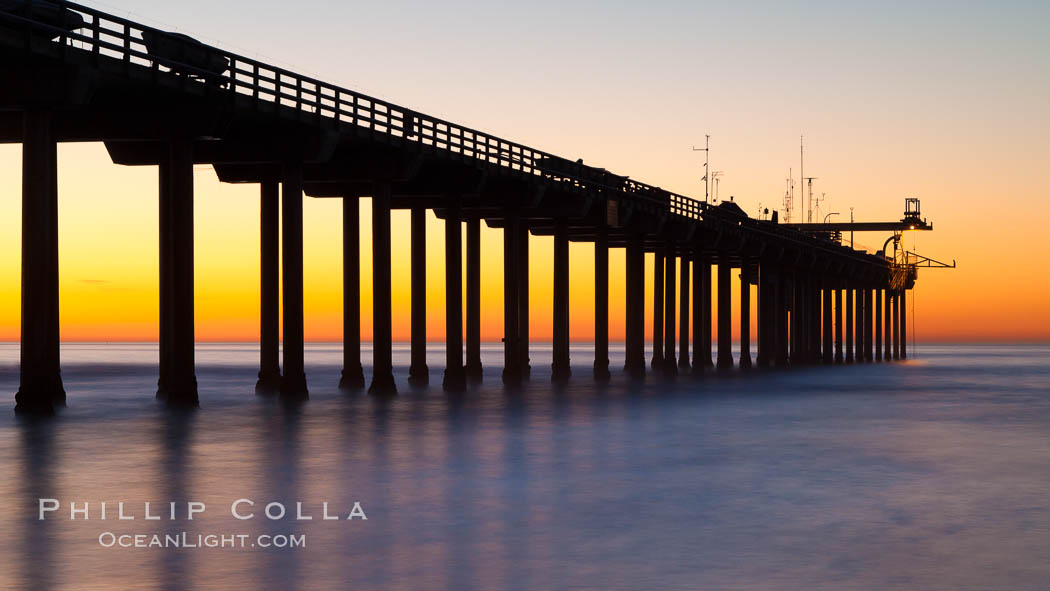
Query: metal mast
[[707, 161]]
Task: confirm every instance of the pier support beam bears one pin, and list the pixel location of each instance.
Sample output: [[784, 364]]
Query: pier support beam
[[878, 325], [698, 314], [670, 366], [601, 303], [293, 382], [780, 317], [634, 363], [812, 300], [903, 315], [560, 366], [795, 299], [745, 314], [418, 372], [895, 309], [269, 299], [523, 300], [725, 312], [816, 319], [179, 381], [702, 296], [864, 346], [353, 376], [658, 308], [683, 312], [829, 344], [765, 329], [869, 325], [869, 318], [473, 365], [165, 272], [848, 295], [40, 385], [455, 378], [861, 314], [887, 330], [838, 324], [382, 330], [511, 275], [805, 317]]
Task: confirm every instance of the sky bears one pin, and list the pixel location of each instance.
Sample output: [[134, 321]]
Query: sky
[[944, 101]]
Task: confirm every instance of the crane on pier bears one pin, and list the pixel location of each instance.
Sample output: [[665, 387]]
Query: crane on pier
[[905, 262]]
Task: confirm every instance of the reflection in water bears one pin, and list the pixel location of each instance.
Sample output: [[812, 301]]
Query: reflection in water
[[37, 541], [280, 465], [175, 475], [930, 474]]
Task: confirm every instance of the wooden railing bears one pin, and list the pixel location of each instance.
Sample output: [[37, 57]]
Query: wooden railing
[[165, 53], [194, 66]]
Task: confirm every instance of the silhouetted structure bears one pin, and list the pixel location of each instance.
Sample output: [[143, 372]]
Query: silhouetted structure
[[73, 73]]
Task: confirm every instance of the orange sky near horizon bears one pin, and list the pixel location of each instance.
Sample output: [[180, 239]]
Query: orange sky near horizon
[[941, 105], [108, 266]]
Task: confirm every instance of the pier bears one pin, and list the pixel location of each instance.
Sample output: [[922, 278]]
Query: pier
[[73, 73]]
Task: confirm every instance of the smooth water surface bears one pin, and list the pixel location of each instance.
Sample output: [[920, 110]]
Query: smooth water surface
[[929, 474]]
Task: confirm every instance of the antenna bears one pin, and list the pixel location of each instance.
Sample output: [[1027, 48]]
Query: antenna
[[816, 207], [789, 197], [809, 199], [716, 176], [707, 161], [802, 165], [851, 228]]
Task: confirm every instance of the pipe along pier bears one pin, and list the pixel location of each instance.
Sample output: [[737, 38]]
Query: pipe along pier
[[73, 73]]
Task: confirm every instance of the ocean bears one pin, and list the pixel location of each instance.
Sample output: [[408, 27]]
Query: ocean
[[928, 474]]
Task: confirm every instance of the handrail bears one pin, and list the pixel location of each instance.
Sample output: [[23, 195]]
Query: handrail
[[122, 39]]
